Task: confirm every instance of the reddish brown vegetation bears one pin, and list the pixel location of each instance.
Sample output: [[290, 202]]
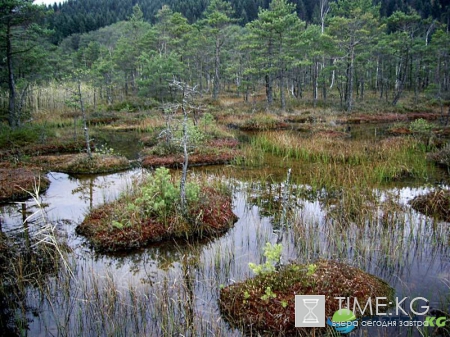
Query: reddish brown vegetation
[[103, 120], [275, 126], [81, 164], [300, 119], [211, 216], [176, 161], [400, 131], [15, 182], [216, 152], [388, 118], [42, 149], [223, 142]]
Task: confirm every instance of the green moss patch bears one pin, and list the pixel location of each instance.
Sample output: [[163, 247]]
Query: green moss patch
[[266, 303], [15, 182], [435, 204]]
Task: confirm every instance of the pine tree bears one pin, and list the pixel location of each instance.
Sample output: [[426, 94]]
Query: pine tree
[[270, 40], [19, 34], [214, 25]]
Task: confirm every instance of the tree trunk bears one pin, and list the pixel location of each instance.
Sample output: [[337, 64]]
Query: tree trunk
[[350, 79], [400, 79], [268, 77], [216, 86], [200, 76], [315, 82], [186, 160], [282, 95], [83, 113], [12, 117], [269, 89]]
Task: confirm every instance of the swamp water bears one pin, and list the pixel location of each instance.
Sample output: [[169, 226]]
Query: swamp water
[[172, 289]]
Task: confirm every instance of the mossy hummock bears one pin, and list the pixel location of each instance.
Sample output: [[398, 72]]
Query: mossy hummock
[[82, 164], [16, 182], [214, 152], [210, 215], [266, 303]]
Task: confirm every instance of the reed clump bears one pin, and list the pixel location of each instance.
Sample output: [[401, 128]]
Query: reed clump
[[435, 204], [28, 258], [441, 157], [335, 161]]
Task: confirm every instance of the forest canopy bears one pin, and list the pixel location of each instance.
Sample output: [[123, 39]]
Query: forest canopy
[[81, 16]]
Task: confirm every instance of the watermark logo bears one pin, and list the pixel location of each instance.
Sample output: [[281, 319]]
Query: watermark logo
[[310, 311], [405, 312], [435, 321], [343, 321]]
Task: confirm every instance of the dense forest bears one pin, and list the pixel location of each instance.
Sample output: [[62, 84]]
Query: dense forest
[[283, 49], [81, 16]]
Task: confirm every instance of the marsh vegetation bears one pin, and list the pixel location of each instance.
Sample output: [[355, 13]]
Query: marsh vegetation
[[347, 202]]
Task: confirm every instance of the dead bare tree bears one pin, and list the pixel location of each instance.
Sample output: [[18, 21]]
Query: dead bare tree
[[76, 101], [187, 95], [83, 114]]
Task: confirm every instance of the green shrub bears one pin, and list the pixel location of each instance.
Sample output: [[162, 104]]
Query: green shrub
[[209, 127], [273, 256], [195, 135], [170, 140], [421, 126], [160, 196]]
